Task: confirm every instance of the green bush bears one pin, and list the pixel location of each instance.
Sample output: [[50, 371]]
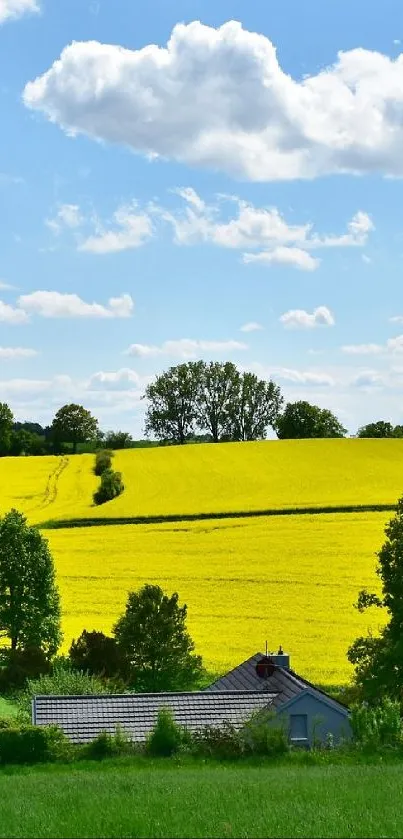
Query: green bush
[[111, 486], [63, 681], [20, 665], [32, 744], [379, 725], [166, 738], [262, 734], [223, 742], [108, 745], [103, 461], [98, 654]]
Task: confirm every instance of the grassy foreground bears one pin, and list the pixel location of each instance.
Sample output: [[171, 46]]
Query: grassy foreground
[[162, 800]]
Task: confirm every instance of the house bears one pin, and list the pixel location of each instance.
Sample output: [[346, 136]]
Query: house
[[261, 682]]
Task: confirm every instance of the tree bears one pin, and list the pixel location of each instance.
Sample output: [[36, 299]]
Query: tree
[[117, 440], [29, 599], [74, 424], [219, 387], [6, 427], [152, 636], [97, 654], [300, 420], [379, 660], [256, 405], [174, 398], [377, 429]]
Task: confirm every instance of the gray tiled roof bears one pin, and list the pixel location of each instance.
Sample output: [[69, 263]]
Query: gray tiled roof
[[83, 717], [284, 683]]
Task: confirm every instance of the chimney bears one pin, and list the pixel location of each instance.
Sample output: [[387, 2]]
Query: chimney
[[281, 659]]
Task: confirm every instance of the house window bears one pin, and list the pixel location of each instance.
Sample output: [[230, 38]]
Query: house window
[[298, 727]]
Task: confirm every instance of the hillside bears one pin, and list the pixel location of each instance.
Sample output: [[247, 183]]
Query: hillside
[[204, 478]]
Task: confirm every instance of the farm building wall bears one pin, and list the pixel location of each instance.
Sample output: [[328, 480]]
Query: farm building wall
[[310, 718]]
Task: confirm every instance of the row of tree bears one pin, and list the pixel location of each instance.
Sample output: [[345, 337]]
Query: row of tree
[[192, 402]]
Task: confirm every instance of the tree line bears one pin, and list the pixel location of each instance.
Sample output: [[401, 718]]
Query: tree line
[[192, 402]]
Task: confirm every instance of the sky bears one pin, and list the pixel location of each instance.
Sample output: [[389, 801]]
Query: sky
[[183, 180]]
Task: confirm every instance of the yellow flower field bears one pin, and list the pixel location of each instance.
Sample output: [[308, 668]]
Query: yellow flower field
[[229, 477], [290, 580]]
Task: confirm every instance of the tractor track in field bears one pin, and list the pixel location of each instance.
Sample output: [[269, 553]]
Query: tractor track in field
[[50, 494], [59, 524]]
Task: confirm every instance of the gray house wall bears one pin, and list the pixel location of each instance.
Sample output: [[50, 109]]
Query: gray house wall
[[322, 718]]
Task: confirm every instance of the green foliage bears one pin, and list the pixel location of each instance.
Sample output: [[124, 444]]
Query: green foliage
[[379, 661], [118, 440], [108, 745], [103, 461], [377, 429], [111, 486], [374, 727], [32, 744], [264, 734], [6, 427], [74, 424], [221, 742], [215, 398], [152, 636], [63, 681], [20, 665], [97, 654], [29, 599], [166, 737], [300, 420]]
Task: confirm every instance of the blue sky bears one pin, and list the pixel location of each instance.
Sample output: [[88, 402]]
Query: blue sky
[[200, 180]]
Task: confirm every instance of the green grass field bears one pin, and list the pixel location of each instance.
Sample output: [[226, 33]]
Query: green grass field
[[165, 800], [7, 709]]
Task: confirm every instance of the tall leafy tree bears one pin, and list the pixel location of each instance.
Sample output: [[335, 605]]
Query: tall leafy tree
[[152, 636], [6, 428], [379, 659], [74, 424], [301, 420], [219, 388], [377, 429], [29, 599], [173, 403], [255, 406]]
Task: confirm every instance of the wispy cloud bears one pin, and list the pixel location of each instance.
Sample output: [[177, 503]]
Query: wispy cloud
[[184, 348]]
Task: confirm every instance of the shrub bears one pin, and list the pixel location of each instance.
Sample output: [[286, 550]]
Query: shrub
[[33, 744], [221, 742], [166, 737], [108, 745], [111, 486], [21, 665], [63, 681], [103, 461], [379, 725], [261, 735]]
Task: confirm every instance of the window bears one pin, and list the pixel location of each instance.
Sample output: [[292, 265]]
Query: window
[[298, 727]]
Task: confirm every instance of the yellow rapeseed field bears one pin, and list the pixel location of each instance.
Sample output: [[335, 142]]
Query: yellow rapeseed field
[[290, 580]]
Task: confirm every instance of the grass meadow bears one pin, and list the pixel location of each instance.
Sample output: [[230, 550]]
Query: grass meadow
[[167, 800], [288, 579]]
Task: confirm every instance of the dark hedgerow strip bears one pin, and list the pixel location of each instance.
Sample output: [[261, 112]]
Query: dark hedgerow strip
[[57, 524]]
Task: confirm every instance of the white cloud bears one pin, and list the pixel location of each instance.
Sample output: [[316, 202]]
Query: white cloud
[[6, 286], [395, 345], [185, 348], [358, 228], [362, 349], [123, 379], [300, 319], [219, 98], [12, 9], [304, 377], [16, 352], [68, 215], [10, 314], [252, 326], [131, 231], [54, 304], [284, 256], [396, 319], [368, 379]]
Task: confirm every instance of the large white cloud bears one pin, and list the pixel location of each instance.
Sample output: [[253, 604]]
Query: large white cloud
[[11, 9], [54, 304], [11, 314], [300, 319], [219, 98]]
